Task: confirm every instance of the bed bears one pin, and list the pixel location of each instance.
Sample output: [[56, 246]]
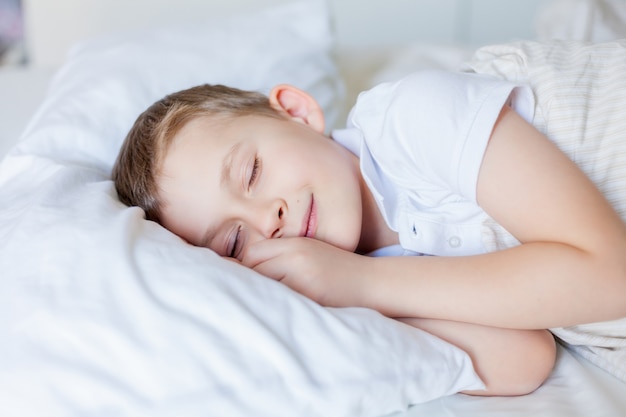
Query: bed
[[105, 314]]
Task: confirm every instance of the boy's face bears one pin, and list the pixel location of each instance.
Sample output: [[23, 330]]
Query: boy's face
[[227, 185]]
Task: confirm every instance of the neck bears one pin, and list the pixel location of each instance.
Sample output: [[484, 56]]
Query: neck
[[375, 233]]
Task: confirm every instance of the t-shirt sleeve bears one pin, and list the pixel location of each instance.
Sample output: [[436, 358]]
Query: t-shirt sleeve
[[434, 126]]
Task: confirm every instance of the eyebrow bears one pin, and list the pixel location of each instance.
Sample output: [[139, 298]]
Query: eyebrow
[[225, 176], [227, 163]]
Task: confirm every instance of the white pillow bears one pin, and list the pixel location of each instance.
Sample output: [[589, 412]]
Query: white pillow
[[105, 313]]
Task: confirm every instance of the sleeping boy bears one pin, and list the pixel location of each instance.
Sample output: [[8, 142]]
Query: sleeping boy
[[431, 164]]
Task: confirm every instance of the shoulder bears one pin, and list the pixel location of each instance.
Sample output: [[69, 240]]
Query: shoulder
[[426, 105], [412, 89], [433, 84], [431, 124], [427, 97]]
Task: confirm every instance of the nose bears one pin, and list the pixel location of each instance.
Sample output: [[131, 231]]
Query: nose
[[271, 219]]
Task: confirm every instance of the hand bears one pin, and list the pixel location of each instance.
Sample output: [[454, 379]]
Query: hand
[[318, 270]]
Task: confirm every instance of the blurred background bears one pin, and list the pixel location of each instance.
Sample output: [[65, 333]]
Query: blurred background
[[36, 35], [470, 22], [12, 49], [39, 32]]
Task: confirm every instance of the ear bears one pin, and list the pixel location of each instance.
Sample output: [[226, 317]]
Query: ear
[[298, 105]]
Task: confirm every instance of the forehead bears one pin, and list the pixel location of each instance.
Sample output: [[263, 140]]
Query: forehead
[[192, 172], [198, 129], [216, 131], [199, 147], [200, 140], [191, 162]]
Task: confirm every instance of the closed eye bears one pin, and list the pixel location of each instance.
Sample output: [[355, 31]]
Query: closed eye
[[234, 244], [254, 174]]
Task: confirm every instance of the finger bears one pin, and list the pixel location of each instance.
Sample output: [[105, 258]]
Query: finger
[[229, 258], [271, 268], [263, 250]]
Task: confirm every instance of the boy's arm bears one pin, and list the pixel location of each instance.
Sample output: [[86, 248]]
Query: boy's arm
[[569, 269], [510, 362]]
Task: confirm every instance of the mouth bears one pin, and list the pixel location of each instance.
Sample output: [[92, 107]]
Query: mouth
[[310, 221]]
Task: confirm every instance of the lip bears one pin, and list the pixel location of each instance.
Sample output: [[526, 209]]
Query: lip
[[309, 224]]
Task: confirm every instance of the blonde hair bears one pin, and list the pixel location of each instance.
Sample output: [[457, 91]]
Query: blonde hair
[[138, 164]]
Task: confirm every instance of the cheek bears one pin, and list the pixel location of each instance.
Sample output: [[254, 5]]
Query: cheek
[[290, 168]]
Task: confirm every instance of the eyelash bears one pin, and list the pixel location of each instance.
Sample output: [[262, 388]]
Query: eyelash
[[256, 166], [255, 171], [234, 251]]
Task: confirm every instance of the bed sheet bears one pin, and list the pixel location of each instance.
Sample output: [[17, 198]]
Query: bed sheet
[[576, 388]]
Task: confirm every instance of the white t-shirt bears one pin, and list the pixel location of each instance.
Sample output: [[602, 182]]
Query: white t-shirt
[[421, 142]]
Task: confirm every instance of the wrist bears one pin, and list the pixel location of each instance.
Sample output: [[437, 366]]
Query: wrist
[[372, 290]]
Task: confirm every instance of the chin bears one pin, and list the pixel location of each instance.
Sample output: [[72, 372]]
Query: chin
[[344, 243], [345, 235]]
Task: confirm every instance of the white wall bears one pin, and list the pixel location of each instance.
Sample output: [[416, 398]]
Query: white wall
[[467, 22], [53, 25]]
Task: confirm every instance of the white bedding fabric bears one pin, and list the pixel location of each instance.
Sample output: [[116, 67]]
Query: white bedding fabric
[[576, 388], [104, 313]]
